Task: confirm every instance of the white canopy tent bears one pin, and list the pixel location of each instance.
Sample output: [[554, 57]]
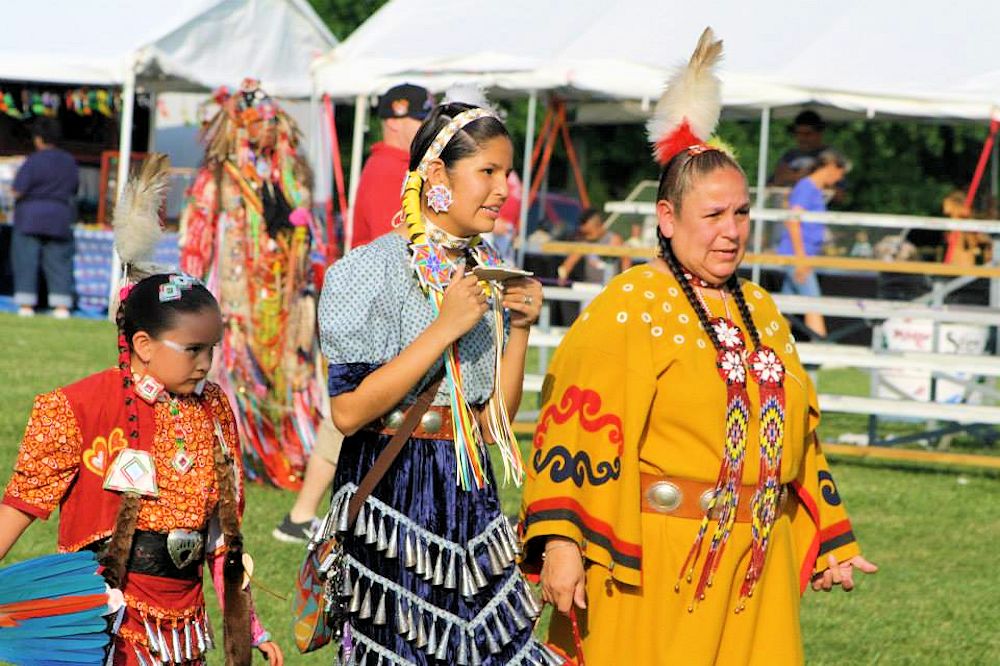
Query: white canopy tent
[[872, 56], [863, 57], [182, 45]]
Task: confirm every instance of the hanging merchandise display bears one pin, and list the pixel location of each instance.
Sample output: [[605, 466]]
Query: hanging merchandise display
[[88, 101], [8, 105], [30, 103], [247, 233], [40, 104], [33, 103]]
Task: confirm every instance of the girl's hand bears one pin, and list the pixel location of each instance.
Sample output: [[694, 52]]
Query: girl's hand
[[523, 298], [841, 573], [562, 577], [272, 653], [464, 304]]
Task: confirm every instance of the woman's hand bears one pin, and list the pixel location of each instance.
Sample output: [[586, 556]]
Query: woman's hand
[[841, 573], [523, 298], [272, 653], [464, 304], [562, 577]]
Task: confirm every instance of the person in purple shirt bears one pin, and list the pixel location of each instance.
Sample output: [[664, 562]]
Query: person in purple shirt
[[803, 238], [44, 188]]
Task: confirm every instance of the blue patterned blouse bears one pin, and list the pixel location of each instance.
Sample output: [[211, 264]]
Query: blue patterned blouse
[[372, 308]]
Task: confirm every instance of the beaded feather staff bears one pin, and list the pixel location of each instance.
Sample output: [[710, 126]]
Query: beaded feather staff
[[685, 116]]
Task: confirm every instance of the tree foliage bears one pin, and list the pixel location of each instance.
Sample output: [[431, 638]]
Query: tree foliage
[[344, 16]]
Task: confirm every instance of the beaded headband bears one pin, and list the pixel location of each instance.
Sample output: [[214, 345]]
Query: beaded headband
[[448, 132]]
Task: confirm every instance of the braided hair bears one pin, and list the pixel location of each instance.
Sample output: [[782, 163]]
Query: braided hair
[[466, 141], [676, 180]]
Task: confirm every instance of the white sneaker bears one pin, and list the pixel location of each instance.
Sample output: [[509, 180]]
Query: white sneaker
[[25, 311], [60, 313]]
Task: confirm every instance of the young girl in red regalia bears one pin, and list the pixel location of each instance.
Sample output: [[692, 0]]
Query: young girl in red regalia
[[143, 463]]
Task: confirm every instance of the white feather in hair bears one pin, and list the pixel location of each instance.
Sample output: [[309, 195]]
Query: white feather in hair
[[136, 219], [689, 108]]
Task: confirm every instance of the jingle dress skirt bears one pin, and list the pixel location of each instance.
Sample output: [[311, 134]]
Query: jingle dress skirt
[[431, 572]]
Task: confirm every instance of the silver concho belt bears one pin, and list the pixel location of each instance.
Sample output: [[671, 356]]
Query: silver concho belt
[[185, 547]]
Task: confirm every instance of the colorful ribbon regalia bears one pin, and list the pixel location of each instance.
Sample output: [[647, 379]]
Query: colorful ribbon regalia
[[248, 234]]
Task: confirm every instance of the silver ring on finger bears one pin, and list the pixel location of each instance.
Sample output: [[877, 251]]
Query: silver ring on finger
[[528, 300]]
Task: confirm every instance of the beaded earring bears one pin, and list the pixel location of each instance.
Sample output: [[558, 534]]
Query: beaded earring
[[439, 198], [148, 389]]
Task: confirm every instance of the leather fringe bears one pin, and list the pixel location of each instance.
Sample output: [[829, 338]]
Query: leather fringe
[[237, 638], [120, 544]]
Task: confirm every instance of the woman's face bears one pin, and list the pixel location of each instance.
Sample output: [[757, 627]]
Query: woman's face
[[478, 186], [182, 355], [709, 233]]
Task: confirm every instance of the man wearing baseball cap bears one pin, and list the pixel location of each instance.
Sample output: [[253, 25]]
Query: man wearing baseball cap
[[401, 109]]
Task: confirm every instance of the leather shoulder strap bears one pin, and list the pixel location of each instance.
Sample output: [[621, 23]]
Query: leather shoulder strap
[[393, 448]]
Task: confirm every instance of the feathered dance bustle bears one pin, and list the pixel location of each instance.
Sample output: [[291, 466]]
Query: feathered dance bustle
[[689, 108], [53, 611]]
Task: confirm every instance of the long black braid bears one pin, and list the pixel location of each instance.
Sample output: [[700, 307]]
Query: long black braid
[[678, 271], [741, 303], [733, 284], [119, 546]]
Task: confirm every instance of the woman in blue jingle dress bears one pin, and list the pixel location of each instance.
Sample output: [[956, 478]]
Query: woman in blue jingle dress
[[430, 560]]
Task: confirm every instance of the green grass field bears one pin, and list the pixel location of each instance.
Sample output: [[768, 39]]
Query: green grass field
[[934, 532]]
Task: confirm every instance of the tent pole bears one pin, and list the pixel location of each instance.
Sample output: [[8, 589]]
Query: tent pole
[[758, 224], [357, 146], [153, 114], [125, 132], [994, 192], [124, 157], [529, 142], [995, 172]]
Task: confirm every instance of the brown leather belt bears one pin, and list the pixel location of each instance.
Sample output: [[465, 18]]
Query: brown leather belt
[[684, 498], [435, 423]]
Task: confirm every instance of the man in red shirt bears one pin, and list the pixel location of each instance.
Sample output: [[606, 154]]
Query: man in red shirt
[[402, 110]]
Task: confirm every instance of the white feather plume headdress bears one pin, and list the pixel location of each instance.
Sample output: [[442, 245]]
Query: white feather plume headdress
[[136, 220], [688, 110], [136, 224]]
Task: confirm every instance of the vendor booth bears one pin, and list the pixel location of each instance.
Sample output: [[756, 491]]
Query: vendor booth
[[107, 62]]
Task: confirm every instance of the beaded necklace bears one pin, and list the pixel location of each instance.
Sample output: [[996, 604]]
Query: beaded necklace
[[182, 461], [153, 392], [734, 363]]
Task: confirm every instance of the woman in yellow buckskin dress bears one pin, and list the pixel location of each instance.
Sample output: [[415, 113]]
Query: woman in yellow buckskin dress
[[678, 501]]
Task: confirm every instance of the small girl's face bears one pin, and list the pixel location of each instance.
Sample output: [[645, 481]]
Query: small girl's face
[[182, 355]]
